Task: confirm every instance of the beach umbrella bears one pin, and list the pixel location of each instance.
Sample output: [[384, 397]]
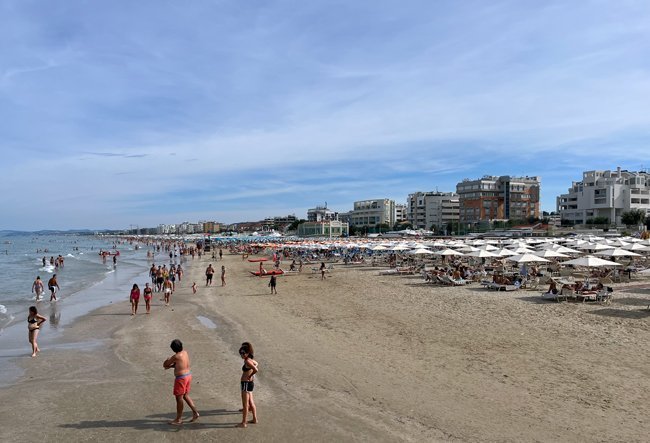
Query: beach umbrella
[[636, 247], [481, 253], [447, 252], [379, 248], [565, 250], [594, 247], [590, 261], [526, 258], [489, 247], [505, 252], [400, 248], [522, 250], [549, 253], [420, 251], [617, 252]]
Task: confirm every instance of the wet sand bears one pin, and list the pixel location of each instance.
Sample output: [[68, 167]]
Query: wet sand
[[358, 356]]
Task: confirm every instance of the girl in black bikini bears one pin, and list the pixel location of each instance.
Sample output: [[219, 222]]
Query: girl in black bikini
[[34, 322], [249, 369]]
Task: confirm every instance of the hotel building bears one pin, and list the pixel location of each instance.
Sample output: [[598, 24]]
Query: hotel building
[[606, 194], [372, 212], [427, 209], [498, 198], [321, 213]]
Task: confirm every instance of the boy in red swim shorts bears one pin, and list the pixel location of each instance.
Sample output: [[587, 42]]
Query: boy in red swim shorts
[[180, 361]]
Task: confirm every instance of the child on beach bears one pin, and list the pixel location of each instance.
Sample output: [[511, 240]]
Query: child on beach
[[180, 361], [34, 322], [249, 369], [194, 288]]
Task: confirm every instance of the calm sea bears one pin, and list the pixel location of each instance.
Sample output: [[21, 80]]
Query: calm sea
[[21, 260]]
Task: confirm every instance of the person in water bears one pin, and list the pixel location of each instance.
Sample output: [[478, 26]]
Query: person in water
[[247, 383], [180, 361], [37, 287], [53, 286], [34, 322]]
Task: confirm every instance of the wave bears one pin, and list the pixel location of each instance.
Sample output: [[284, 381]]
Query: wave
[[3, 309], [70, 255], [47, 268]]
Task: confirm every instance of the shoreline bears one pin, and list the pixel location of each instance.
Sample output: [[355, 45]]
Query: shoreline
[[358, 356]]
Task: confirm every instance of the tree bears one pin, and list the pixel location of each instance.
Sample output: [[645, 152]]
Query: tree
[[382, 227], [294, 226], [633, 217]]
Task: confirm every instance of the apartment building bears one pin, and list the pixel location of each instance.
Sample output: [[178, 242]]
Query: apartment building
[[606, 194], [372, 213], [498, 198], [401, 213], [427, 209]]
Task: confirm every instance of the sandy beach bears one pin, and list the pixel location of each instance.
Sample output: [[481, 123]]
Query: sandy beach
[[356, 357]]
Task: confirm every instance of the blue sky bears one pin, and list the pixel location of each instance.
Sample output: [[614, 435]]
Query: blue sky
[[118, 112]]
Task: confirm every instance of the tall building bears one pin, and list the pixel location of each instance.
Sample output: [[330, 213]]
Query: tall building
[[605, 194], [372, 212], [498, 198], [427, 209]]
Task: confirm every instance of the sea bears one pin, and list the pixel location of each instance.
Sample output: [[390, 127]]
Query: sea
[[86, 282]]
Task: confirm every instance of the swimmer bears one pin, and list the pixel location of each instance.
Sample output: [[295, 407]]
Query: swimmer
[[134, 297], [37, 287]]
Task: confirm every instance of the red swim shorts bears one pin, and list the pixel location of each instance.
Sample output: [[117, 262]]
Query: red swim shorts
[[182, 384]]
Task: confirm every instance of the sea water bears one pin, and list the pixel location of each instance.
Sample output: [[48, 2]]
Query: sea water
[[86, 282]]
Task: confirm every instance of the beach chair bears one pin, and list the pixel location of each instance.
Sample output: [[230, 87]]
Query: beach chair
[[554, 297], [604, 296]]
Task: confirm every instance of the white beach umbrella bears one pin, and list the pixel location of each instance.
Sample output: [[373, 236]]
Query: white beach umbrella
[[526, 258], [447, 252], [636, 247], [421, 251], [549, 253], [488, 247], [505, 252], [400, 248], [594, 247], [565, 250], [590, 261], [617, 252], [522, 250], [481, 253], [379, 248]]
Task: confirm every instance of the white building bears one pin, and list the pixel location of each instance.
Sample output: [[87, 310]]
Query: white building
[[426, 209], [401, 213], [321, 213], [372, 212], [606, 194]]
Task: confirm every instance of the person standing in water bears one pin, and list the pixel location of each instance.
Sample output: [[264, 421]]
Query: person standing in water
[[34, 322], [53, 286], [180, 361], [37, 287]]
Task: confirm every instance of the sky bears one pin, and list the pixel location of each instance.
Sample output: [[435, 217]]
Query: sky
[[120, 113]]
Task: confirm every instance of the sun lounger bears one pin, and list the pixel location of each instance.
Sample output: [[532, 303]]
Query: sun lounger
[[554, 297]]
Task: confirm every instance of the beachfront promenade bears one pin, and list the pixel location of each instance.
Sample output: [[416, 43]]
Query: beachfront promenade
[[358, 356]]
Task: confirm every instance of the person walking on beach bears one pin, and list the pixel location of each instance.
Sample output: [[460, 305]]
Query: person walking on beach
[[37, 287], [322, 271], [167, 290], [180, 361], [209, 272], [272, 284], [148, 293], [53, 286], [193, 287], [134, 297], [220, 254], [34, 322], [247, 383], [223, 276]]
